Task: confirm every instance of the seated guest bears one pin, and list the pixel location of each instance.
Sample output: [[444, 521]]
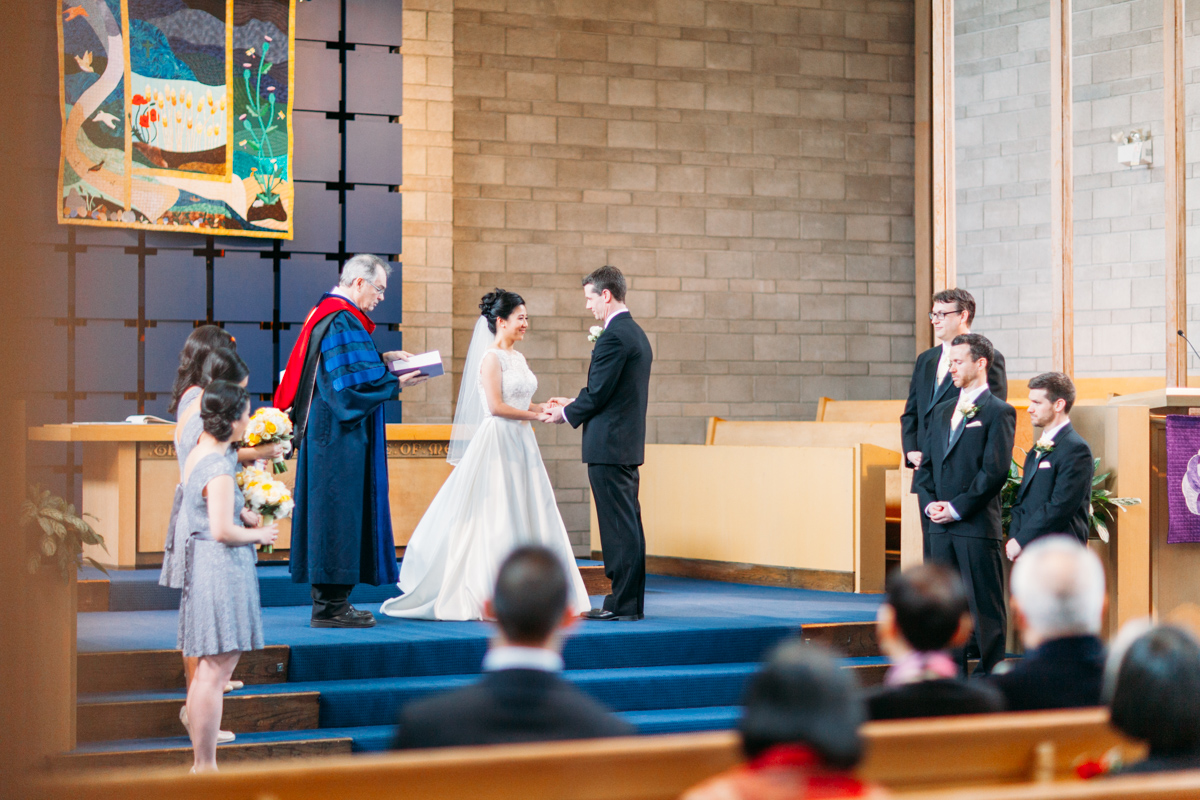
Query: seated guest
[[1153, 690], [799, 732], [521, 697], [924, 615], [1058, 597]]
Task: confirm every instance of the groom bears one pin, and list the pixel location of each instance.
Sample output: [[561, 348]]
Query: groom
[[612, 411]]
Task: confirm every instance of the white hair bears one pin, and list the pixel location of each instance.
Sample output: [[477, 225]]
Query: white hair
[[363, 266], [1059, 584]]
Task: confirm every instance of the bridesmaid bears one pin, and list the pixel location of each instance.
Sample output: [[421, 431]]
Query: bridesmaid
[[219, 612]]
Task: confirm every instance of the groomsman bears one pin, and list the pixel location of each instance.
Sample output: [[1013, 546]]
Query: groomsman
[[1056, 488], [952, 315], [964, 463]]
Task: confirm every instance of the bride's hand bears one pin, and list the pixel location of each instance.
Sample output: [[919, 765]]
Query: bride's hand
[[545, 416], [557, 402]]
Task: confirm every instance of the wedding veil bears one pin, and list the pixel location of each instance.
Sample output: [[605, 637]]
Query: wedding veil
[[470, 413]]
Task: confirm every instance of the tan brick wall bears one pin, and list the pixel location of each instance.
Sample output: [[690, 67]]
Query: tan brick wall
[[428, 195], [747, 165]]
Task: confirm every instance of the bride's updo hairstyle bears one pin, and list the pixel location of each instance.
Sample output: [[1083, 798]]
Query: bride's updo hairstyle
[[499, 305], [222, 405]]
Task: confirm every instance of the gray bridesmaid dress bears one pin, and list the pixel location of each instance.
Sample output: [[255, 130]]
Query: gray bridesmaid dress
[[173, 566], [220, 610]]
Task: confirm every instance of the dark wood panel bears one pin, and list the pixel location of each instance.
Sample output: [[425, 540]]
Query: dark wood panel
[[851, 639], [157, 719], [136, 670], [595, 580], [869, 674], [758, 574], [226, 754], [93, 595]]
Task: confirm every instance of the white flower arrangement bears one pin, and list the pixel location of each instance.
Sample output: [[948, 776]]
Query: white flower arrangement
[[268, 426], [594, 333], [1044, 444], [265, 496]]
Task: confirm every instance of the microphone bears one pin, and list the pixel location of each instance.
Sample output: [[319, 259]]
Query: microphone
[[1189, 341]]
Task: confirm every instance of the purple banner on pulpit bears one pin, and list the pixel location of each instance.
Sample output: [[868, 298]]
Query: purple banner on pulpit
[[1183, 478]]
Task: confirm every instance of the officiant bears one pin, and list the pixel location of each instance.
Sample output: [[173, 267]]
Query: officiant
[[335, 384]]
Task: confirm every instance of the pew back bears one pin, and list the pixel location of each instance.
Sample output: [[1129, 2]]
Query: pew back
[[904, 756]]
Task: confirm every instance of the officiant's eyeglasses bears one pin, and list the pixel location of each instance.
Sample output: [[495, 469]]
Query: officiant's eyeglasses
[[373, 286], [938, 316]]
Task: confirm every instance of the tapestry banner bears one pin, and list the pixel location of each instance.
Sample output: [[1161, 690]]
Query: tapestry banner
[[177, 115], [1183, 478]]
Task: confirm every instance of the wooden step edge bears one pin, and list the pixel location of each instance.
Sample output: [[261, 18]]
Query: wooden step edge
[[595, 581], [148, 670], [869, 674], [851, 639], [182, 756], [159, 719]]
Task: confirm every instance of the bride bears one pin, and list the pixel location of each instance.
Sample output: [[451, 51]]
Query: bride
[[499, 496]]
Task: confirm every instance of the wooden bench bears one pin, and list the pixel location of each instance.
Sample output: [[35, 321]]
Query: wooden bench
[[905, 756], [1159, 786]]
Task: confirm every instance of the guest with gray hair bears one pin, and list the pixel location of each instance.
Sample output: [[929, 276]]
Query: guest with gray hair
[[1058, 601]]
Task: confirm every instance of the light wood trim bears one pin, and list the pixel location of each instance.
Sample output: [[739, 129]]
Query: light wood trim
[[912, 538], [943, 193], [710, 433], [1133, 479], [1062, 191], [1167, 786], [1175, 186], [923, 173], [125, 432], [870, 524], [822, 402]]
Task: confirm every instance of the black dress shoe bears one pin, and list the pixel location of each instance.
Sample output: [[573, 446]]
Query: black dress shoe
[[347, 619], [605, 614]]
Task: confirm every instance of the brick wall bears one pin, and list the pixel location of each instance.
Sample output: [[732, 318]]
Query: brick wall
[[749, 168], [1003, 128]]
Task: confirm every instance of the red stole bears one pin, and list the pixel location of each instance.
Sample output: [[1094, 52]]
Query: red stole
[[285, 395]]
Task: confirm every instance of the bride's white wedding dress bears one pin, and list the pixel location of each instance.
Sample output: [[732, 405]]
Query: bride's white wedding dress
[[498, 498]]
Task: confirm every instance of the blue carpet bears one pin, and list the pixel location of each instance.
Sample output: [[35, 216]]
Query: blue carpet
[[683, 668]]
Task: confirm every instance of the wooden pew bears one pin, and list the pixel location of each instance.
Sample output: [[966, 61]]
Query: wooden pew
[[905, 756], [1159, 786]]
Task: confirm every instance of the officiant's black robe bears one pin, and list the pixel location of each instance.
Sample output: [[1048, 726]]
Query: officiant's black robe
[[342, 526]]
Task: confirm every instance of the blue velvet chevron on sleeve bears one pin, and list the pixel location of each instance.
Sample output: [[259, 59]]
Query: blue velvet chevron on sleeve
[[349, 356]]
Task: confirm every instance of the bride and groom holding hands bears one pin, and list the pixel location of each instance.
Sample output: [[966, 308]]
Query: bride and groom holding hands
[[499, 495]]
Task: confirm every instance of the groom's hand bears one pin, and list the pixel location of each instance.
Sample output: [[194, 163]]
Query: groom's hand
[[559, 401], [556, 415]]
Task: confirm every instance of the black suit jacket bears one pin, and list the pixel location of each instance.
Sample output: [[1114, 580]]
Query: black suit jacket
[[612, 408], [1056, 491], [922, 399], [511, 705], [937, 698], [971, 473], [1062, 673]]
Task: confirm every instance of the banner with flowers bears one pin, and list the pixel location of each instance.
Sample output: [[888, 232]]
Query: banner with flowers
[[177, 115]]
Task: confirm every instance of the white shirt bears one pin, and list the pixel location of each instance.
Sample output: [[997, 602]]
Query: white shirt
[[1050, 433], [613, 315], [943, 365], [513, 657]]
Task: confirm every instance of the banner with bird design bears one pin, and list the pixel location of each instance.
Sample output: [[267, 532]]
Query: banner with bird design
[[177, 115]]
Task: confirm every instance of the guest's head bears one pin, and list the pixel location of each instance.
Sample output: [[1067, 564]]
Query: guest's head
[[925, 610], [225, 410], [224, 364], [200, 342], [970, 356], [604, 291], [530, 604], [505, 313], [364, 280], [952, 313], [1051, 396], [1153, 689], [1058, 590], [802, 696]]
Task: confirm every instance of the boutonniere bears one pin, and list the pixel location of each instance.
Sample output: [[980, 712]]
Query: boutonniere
[[969, 411], [594, 333], [1043, 445]]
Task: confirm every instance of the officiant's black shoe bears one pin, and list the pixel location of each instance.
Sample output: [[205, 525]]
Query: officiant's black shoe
[[347, 619], [605, 614]]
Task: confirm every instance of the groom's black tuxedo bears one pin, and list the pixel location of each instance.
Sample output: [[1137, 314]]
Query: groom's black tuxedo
[[612, 411], [968, 470], [1056, 491]]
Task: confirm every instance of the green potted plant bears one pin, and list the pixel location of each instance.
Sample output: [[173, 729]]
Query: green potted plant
[[1103, 505], [56, 534]]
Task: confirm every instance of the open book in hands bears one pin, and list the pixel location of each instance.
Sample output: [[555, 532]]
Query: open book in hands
[[428, 365]]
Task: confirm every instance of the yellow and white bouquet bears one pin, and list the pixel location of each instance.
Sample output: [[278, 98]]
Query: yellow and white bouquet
[[265, 496], [268, 426]]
